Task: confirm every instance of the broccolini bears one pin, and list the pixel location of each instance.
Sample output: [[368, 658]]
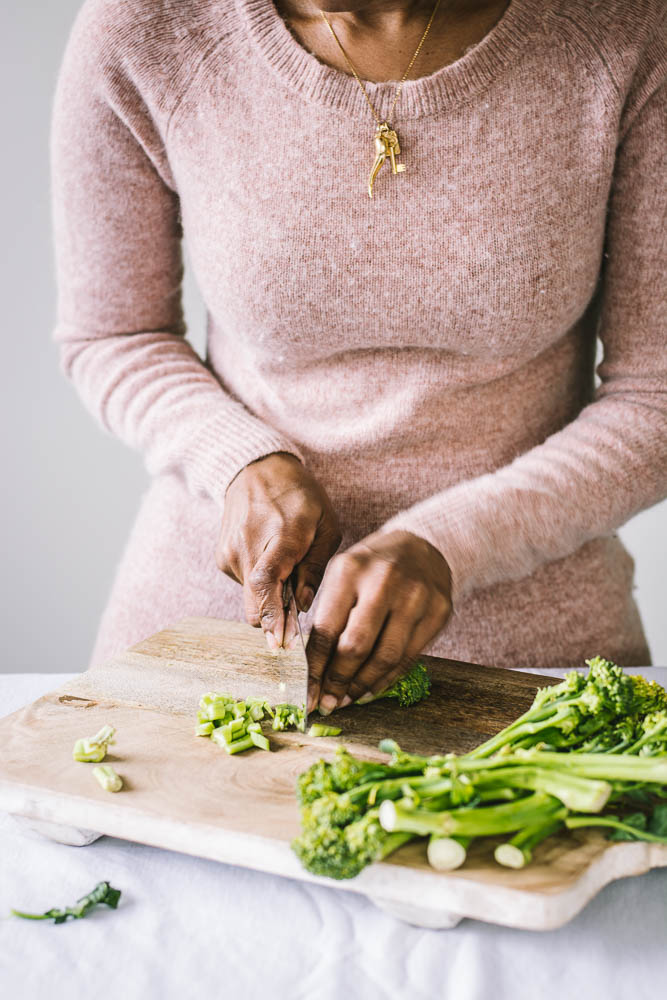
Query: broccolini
[[587, 751]]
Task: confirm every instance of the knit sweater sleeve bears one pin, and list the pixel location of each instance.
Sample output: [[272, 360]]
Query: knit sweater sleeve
[[118, 255], [610, 462]]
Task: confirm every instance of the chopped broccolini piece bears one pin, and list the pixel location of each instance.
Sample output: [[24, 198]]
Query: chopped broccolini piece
[[318, 729], [286, 716], [259, 740], [235, 725], [102, 893], [245, 743], [94, 748], [107, 777], [87, 752]]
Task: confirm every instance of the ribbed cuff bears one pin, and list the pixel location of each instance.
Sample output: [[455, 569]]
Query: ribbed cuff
[[453, 523], [451, 552], [223, 447]]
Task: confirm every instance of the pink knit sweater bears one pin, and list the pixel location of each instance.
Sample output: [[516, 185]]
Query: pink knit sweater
[[429, 353]]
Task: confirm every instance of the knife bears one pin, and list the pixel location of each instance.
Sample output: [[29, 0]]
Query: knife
[[291, 657]]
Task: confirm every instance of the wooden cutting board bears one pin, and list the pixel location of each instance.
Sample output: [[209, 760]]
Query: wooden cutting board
[[183, 793]]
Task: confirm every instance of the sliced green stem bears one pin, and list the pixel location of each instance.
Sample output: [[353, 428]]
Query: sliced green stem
[[518, 851], [478, 821], [575, 822], [445, 854]]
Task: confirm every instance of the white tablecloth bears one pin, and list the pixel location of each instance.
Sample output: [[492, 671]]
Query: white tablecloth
[[192, 928]]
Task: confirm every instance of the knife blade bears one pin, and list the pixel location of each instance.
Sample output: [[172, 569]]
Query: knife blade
[[291, 657]]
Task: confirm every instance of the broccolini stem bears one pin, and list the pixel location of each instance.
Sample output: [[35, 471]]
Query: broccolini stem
[[604, 766], [447, 853], [518, 851], [529, 724], [393, 842], [574, 822], [608, 767], [577, 793], [470, 822]]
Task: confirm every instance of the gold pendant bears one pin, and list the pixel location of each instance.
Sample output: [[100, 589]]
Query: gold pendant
[[386, 145]]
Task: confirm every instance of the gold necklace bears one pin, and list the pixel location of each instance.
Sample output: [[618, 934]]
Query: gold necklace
[[385, 138]]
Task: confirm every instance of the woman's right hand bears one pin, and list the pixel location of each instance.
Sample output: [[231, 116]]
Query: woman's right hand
[[277, 520]]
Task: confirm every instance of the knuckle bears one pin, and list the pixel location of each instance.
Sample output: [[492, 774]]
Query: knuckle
[[320, 642], [222, 556], [356, 645], [341, 564], [261, 577], [387, 659], [355, 689], [267, 616], [442, 604], [369, 677], [334, 678], [418, 592]]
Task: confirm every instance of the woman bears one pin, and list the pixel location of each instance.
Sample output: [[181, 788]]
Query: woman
[[398, 389]]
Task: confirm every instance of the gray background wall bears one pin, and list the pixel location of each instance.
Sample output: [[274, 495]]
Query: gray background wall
[[71, 491]]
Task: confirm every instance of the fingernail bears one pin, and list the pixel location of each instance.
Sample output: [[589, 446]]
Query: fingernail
[[345, 702], [327, 704], [271, 641], [365, 698], [307, 596]]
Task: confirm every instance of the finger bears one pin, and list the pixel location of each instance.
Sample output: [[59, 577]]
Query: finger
[[265, 583], [424, 631], [386, 657], [336, 601], [310, 570], [354, 646], [410, 605], [291, 632]]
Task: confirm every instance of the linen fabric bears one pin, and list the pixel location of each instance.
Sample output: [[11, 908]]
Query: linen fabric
[[429, 353]]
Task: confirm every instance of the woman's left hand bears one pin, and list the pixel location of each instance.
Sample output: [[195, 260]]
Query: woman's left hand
[[380, 603]]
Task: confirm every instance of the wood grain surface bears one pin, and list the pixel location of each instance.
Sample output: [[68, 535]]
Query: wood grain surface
[[184, 793]]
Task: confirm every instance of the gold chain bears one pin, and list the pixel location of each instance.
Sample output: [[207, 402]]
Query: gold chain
[[404, 75]]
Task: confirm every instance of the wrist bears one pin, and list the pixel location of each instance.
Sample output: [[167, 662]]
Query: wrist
[[276, 458]]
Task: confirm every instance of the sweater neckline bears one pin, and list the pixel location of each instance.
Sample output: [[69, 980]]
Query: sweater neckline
[[447, 87]]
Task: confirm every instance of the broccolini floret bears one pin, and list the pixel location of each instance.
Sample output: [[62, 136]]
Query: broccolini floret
[[572, 712], [412, 687], [342, 852]]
